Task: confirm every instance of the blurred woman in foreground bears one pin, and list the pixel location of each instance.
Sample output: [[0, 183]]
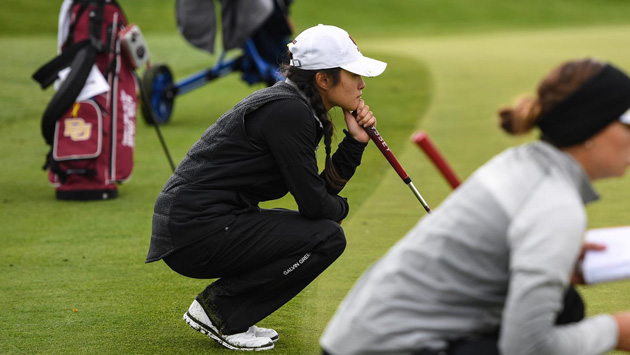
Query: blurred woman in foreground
[[490, 271]]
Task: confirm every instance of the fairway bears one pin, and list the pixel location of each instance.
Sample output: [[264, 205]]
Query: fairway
[[73, 278]]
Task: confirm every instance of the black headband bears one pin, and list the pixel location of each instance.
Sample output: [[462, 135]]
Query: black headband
[[596, 104]]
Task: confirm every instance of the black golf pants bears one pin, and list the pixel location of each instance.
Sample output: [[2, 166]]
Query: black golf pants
[[263, 259]]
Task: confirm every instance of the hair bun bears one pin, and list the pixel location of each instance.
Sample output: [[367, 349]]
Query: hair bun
[[521, 118]]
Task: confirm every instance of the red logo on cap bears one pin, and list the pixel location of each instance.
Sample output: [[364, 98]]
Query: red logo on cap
[[355, 43], [294, 41]]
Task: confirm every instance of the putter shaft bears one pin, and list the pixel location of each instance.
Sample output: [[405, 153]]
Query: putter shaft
[[419, 197]]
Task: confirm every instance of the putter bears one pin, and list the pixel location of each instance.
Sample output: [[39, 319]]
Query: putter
[[389, 155]]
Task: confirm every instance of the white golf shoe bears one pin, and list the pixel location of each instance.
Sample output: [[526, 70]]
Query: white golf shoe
[[265, 332], [197, 318]]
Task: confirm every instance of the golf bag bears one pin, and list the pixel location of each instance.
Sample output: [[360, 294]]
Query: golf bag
[[90, 123]]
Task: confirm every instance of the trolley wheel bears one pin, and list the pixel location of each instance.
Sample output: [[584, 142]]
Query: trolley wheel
[[157, 82]]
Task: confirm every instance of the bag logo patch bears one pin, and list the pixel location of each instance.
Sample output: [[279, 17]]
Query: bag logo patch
[[129, 119], [77, 129]]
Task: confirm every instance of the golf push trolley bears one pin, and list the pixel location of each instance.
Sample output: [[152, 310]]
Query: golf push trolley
[[259, 28]]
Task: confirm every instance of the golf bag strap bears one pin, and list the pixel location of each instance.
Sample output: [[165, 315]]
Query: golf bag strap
[[82, 8], [68, 91], [96, 24], [81, 59], [48, 73]]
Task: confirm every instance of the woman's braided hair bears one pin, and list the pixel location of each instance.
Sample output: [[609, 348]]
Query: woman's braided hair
[[305, 81]]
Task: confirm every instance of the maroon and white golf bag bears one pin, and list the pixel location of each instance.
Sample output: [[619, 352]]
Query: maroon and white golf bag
[[90, 123]]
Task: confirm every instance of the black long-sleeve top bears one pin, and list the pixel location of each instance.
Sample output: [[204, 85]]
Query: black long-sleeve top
[[260, 150], [284, 130]]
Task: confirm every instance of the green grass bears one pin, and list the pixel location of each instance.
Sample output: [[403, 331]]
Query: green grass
[[451, 65], [369, 17], [61, 256]]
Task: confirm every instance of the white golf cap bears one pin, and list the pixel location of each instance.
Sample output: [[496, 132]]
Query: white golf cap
[[625, 117], [326, 47]]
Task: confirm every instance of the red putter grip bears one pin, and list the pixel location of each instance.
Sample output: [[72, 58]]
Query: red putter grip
[[382, 146], [422, 140]]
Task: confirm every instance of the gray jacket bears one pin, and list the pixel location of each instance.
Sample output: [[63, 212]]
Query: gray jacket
[[497, 253]]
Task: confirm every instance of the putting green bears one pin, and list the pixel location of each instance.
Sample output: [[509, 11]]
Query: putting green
[[61, 256]]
